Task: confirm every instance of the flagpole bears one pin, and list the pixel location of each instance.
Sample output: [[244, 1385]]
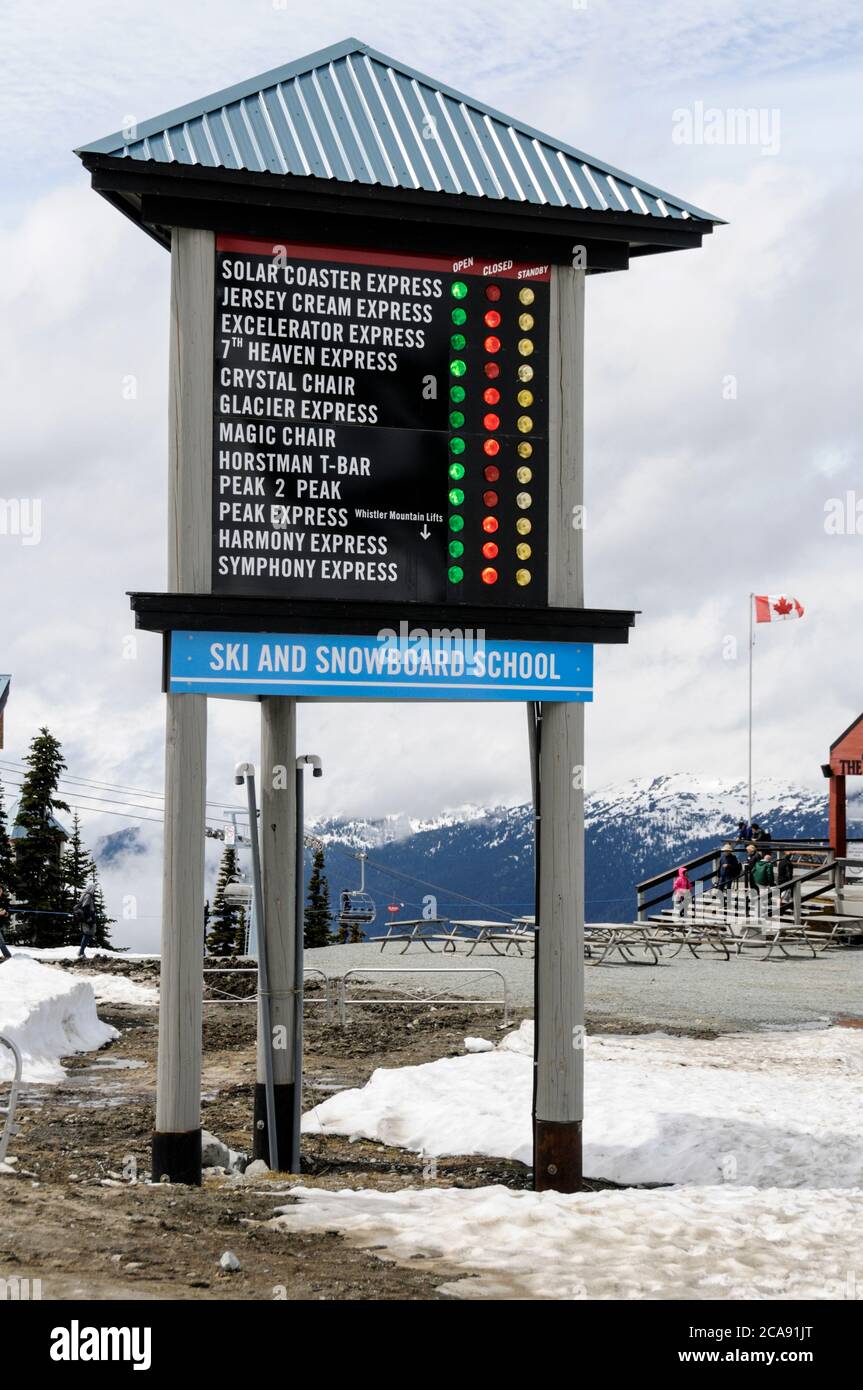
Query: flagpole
[[751, 645]]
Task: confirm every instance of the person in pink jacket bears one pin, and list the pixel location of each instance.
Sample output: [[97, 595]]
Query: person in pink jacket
[[682, 891]]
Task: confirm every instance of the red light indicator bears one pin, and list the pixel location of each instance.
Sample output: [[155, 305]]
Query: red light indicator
[[491, 447], [491, 473], [492, 292], [490, 499], [490, 550], [491, 421], [492, 370], [492, 344], [491, 395], [490, 524], [492, 319], [489, 575]]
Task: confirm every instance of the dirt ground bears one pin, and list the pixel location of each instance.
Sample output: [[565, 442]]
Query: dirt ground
[[75, 1218]]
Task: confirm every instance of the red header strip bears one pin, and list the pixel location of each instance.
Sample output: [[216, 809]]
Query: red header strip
[[501, 269]]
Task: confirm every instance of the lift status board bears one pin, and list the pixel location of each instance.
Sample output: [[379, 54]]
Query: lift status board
[[381, 426]]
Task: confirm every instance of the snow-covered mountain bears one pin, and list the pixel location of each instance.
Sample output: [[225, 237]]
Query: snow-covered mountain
[[479, 861]]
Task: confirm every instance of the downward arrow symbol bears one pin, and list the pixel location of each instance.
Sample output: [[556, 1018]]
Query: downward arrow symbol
[[425, 533]]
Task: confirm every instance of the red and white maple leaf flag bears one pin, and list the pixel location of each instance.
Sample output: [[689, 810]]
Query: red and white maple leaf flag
[[774, 608]]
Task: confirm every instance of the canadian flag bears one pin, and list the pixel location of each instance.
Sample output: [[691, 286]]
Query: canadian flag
[[774, 608]]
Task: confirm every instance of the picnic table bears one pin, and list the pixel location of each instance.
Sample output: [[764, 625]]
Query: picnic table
[[424, 930], [518, 932]]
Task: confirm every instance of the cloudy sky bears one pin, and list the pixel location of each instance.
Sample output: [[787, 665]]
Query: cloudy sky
[[723, 396]]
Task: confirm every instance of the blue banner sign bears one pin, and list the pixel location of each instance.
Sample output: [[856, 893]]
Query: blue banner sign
[[410, 664]]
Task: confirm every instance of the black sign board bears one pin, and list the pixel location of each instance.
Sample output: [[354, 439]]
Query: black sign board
[[380, 426]]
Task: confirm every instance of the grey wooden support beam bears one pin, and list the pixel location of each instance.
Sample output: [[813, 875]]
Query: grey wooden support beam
[[177, 1138], [559, 1094], [278, 854]]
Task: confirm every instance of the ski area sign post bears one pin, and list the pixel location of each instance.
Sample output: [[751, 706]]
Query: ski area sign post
[[375, 478]]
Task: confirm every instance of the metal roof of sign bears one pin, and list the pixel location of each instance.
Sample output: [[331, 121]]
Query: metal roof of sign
[[350, 114]]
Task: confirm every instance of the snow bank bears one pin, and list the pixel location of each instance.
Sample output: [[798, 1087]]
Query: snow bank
[[754, 1110], [690, 1243], [50, 1014]]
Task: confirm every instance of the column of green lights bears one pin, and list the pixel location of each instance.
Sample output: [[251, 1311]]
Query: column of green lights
[[456, 467]]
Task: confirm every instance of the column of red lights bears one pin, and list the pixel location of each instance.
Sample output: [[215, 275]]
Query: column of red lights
[[491, 443]]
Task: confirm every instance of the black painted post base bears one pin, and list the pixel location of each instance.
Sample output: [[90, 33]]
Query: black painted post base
[[177, 1157], [557, 1165], [289, 1162]]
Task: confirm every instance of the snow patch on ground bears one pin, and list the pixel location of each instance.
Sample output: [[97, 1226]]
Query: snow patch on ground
[[71, 953], [119, 989], [49, 1014], [689, 1243], [751, 1110]]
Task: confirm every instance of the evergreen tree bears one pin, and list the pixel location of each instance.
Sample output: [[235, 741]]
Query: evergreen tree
[[357, 934], [317, 921], [39, 873], [75, 862], [79, 870], [241, 933], [101, 922], [7, 875], [225, 915]]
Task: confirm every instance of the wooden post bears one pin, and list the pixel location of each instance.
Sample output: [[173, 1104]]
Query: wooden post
[[838, 822], [278, 851], [559, 1090], [177, 1138]]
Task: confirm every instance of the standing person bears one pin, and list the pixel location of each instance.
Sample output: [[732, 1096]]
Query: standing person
[[682, 891], [5, 953], [744, 831], [84, 912], [784, 876], [729, 868], [752, 858], [762, 878]]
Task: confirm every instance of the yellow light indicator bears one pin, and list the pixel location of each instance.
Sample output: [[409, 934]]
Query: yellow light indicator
[[523, 526], [525, 372], [525, 398], [526, 295], [523, 550], [524, 449], [525, 424], [523, 474], [522, 577], [525, 346], [525, 322], [523, 500]]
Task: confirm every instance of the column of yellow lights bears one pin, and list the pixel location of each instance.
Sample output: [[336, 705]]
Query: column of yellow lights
[[524, 424]]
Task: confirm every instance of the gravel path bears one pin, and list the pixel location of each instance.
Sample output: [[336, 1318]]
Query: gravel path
[[707, 994]]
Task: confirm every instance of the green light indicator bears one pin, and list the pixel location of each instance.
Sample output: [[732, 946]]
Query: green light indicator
[[457, 394], [456, 419], [457, 367], [456, 472], [459, 316], [457, 342], [456, 522], [455, 574], [456, 445], [456, 549], [456, 496], [458, 289]]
